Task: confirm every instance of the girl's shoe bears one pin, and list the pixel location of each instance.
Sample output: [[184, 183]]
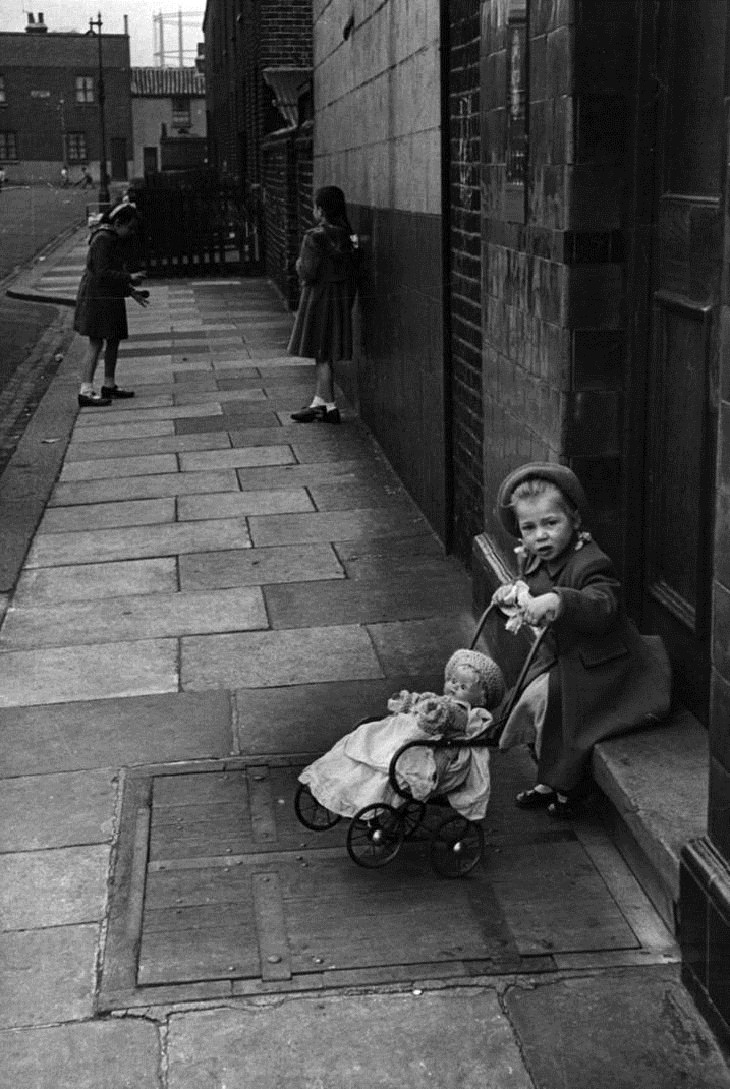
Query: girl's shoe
[[567, 810], [309, 414], [93, 400], [116, 391], [536, 799]]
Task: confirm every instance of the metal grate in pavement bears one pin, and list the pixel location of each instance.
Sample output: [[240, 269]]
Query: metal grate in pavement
[[219, 891]]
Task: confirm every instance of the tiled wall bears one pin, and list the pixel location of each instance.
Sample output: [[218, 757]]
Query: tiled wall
[[553, 276], [377, 95]]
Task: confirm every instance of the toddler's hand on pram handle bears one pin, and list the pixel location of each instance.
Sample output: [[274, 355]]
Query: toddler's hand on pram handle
[[516, 602]]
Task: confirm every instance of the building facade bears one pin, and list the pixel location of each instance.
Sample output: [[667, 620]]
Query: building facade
[[541, 193], [168, 112], [49, 103], [258, 67]]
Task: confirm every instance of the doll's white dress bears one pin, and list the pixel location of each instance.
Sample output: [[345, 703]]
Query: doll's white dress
[[354, 773]]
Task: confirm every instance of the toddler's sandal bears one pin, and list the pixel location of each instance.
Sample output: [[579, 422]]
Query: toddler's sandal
[[535, 799], [567, 810]]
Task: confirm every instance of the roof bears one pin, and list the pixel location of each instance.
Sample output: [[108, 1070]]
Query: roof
[[164, 82], [286, 83]]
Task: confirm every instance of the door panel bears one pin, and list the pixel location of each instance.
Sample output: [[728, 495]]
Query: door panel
[[680, 435]]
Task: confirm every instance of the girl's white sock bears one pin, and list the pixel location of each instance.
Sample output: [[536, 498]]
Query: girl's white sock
[[317, 401], [329, 405], [540, 788], [86, 389]]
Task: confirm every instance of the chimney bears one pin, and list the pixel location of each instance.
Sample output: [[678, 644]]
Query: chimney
[[33, 27]]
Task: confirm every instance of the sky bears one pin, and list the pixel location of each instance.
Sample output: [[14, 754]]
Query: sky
[[65, 15]]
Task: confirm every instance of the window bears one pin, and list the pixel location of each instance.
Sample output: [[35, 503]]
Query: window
[[517, 98], [180, 112], [84, 88], [8, 146], [76, 147], [3, 98]]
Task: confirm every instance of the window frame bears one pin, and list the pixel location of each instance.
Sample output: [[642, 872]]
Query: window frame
[[73, 139], [85, 90], [8, 137]]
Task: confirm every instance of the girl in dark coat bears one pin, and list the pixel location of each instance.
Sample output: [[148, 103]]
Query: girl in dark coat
[[323, 325], [594, 675], [100, 309]]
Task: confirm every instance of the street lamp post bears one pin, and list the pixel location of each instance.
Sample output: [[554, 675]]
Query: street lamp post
[[103, 176]]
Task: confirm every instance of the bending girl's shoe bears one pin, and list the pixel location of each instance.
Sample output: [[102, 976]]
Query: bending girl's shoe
[[535, 799], [317, 412]]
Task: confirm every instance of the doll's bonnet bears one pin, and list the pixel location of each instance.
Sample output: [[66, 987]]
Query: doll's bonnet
[[487, 670]]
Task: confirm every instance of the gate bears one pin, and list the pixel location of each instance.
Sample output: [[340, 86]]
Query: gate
[[194, 225]]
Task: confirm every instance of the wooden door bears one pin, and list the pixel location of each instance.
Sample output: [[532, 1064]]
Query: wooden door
[[682, 382]]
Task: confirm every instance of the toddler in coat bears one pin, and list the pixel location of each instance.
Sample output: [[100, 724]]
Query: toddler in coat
[[594, 676], [354, 773]]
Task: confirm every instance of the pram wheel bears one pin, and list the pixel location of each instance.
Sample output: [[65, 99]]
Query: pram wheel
[[457, 846], [375, 836], [310, 813]]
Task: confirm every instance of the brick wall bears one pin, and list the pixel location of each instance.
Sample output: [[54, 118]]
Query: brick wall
[[465, 274], [40, 70]]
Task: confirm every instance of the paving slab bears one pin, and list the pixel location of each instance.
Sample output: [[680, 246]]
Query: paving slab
[[105, 431], [450, 1040], [251, 418], [119, 467], [240, 504], [373, 558], [143, 487], [259, 566], [417, 646], [138, 512], [114, 1054], [363, 494], [334, 526], [43, 811], [364, 602], [103, 733], [143, 414], [143, 616], [83, 582], [276, 454], [158, 444], [274, 658], [138, 542], [65, 674], [221, 397], [45, 976], [633, 1027], [53, 888], [309, 718], [295, 476]]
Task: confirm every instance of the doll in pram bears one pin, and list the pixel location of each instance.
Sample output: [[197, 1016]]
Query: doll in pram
[[429, 749]]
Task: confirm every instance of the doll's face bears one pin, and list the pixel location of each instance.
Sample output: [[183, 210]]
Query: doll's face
[[464, 684], [545, 526]]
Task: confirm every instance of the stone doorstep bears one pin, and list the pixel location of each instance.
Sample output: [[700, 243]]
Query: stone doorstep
[[656, 786], [655, 782]]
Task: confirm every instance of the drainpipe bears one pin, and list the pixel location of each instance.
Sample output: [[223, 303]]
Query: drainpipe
[[445, 68]]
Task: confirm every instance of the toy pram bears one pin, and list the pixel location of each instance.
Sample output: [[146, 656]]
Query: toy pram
[[376, 833]]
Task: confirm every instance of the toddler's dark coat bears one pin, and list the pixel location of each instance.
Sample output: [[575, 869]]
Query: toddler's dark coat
[[101, 312], [606, 680], [323, 325]]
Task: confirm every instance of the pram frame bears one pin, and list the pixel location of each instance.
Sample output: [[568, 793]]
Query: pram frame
[[376, 832]]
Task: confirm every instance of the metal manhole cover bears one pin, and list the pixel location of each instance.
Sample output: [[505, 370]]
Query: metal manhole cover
[[219, 891]]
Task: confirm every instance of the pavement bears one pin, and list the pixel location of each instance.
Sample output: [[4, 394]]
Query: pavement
[[192, 583]]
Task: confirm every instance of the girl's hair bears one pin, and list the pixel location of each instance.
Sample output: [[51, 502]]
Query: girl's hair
[[331, 200], [535, 486], [121, 215]]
